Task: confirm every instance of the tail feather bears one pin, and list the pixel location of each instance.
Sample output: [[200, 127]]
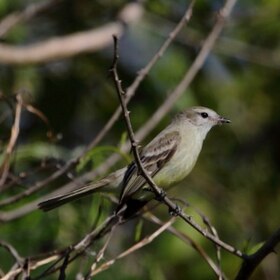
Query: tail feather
[[59, 200], [107, 184]]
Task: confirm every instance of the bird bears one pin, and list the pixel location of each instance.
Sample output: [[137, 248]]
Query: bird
[[168, 159]]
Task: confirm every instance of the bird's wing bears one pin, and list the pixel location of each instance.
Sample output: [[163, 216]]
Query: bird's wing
[[153, 158]]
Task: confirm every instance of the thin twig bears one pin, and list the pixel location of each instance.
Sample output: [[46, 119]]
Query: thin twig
[[30, 11], [100, 255], [26, 270], [145, 241], [131, 90], [226, 46], [186, 239], [12, 274], [12, 251], [12, 142], [192, 71], [108, 225], [212, 229], [40, 184], [101, 230], [218, 248], [62, 273]]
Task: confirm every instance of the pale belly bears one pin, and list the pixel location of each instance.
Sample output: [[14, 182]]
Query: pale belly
[[178, 168]]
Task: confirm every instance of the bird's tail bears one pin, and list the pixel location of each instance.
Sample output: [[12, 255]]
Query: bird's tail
[[107, 184]]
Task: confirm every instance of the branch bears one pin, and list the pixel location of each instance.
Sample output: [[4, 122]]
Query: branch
[[145, 241], [67, 46], [185, 238], [172, 206], [64, 254], [13, 273], [218, 248], [30, 11], [227, 46], [251, 262], [19, 260], [131, 90], [100, 255], [192, 72], [4, 169], [38, 185]]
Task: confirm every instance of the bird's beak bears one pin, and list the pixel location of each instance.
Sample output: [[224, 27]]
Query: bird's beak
[[223, 120]]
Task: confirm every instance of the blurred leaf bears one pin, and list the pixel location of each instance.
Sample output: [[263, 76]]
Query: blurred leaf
[[123, 139], [97, 155], [253, 249], [138, 230], [38, 151]]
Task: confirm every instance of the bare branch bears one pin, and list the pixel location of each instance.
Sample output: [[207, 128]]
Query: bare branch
[[191, 73], [13, 252], [131, 90], [226, 46], [4, 169], [62, 274], [60, 47], [218, 248], [100, 255], [37, 261], [26, 269], [67, 46], [15, 272], [185, 238], [38, 185], [30, 11], [172, 206], [147, 240]]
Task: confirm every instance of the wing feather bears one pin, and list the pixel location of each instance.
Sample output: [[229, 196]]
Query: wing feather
[[153, 157]]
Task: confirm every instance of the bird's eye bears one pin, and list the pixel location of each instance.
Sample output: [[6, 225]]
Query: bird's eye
[[204, 115]]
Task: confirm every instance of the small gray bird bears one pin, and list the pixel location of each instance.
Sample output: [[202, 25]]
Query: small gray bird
[[168, 158]]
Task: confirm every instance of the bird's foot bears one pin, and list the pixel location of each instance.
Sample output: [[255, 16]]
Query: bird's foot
[[175, 211], [158, 196], [161, 195]]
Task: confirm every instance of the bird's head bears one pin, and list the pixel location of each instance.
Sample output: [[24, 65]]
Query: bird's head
[[203, 118]]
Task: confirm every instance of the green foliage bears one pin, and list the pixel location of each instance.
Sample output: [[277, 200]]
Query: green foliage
[[138, 230], [97, 155], [254, 248], [236, 179]]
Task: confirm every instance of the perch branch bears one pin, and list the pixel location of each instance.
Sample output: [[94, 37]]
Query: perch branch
[[173, 206]]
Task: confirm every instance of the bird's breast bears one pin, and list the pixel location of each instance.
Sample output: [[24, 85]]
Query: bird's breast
[[182, 162]]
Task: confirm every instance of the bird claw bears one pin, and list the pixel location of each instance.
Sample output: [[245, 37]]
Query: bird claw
[[176, 211], [160, 196]]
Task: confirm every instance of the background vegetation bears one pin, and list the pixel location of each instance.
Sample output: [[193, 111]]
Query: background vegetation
[[236, 180]]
